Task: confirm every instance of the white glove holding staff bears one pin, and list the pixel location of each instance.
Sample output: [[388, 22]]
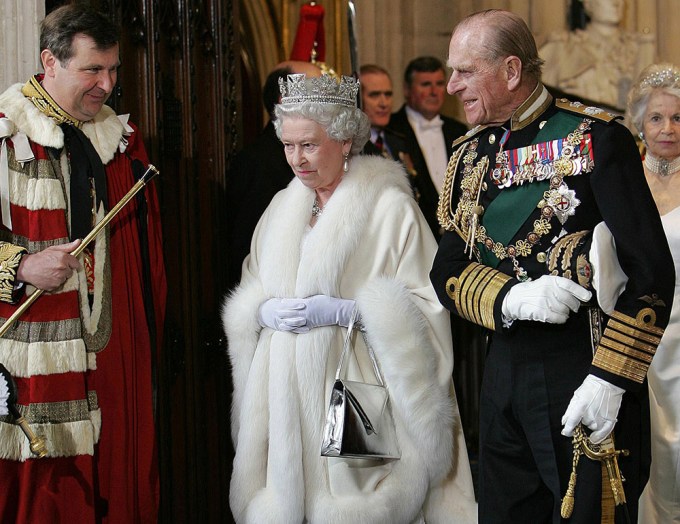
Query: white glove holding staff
[[596, 404], [547, 299], [300, 315]]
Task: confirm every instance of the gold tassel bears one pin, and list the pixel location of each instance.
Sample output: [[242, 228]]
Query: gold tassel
[[567, 507], [568, 501]]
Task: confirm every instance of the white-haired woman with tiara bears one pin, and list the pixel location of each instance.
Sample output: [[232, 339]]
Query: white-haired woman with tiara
[[345, 233], [654, 109]]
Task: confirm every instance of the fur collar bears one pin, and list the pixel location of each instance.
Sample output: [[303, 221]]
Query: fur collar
[[318, 265], [104, 131]]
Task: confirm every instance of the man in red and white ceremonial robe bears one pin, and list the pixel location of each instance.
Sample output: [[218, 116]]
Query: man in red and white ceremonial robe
[[82, 353]]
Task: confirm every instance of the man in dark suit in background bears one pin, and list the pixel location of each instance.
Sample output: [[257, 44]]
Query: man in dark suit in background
[[428, 134], [376, 102]]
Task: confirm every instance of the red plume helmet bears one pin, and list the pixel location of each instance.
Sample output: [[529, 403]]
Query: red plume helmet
[[310, 40]]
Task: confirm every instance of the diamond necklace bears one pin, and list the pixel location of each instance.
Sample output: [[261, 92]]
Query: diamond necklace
[[316, 210]]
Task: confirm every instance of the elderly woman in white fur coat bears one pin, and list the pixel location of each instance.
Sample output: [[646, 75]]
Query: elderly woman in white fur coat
[[345, 232]]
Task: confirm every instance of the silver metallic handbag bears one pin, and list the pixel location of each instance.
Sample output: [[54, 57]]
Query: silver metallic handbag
[[359, 422]]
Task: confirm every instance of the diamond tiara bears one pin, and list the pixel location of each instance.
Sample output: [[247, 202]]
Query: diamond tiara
[[321, 90], [658, 78]]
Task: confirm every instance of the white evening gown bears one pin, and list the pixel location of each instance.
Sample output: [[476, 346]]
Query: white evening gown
[[660, 501]]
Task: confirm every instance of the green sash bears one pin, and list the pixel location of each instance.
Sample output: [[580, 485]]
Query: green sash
[[513, 206]]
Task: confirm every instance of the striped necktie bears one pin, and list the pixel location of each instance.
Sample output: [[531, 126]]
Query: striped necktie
[[379, 142]]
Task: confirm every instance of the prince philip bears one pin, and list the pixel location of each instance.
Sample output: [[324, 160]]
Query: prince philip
[[530, 197]]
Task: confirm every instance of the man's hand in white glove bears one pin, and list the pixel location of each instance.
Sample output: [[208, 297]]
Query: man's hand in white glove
[[547, 299], [300, 315], [596, 404]]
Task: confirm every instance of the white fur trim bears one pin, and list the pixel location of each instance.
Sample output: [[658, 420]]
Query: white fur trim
[[303, 272], [36, 193], [71, 283], [90, 316], [397, 499], [91, 360], [243, 331], [29, 120], [397, 333], [105, 130], [455, 495], [370, 180], [43, 358]]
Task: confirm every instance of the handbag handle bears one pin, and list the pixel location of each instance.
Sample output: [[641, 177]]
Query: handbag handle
[[348, 346]]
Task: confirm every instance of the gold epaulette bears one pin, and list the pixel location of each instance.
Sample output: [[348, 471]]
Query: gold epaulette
[[588, 111], [475, 291], [628, 345], [467, 136], [10, 256]]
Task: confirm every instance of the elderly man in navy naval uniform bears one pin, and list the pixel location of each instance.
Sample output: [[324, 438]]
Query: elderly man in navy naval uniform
[[532, 195]]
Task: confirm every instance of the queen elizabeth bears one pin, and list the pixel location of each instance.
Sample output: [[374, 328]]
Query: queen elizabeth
[[345, 233]]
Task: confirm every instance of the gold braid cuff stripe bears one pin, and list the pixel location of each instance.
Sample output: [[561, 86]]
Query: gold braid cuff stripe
[[653, 339], [474, 293], [620, 365], [648, 346], [643, 355], [640, 323], [629, 344], [10, 257]]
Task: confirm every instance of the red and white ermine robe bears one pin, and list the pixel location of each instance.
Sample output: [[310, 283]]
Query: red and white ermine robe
[[82, 364]]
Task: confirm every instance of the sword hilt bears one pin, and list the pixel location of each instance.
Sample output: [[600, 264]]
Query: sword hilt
[[607, 453]]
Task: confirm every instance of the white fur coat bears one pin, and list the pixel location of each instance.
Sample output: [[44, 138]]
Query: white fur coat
[[373, 245]]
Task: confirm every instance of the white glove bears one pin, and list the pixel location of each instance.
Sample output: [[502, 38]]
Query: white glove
[[320, 310], [275, 315], [299, 315], [596, 404], [548, 299]]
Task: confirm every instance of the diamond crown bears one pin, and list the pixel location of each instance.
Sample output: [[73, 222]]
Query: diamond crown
[[658, 78], [321, 90]]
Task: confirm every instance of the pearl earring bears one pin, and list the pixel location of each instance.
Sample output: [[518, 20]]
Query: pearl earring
[[642, 137], [345, 164]]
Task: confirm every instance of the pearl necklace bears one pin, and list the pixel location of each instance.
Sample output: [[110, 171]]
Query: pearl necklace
[[661, 166]]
